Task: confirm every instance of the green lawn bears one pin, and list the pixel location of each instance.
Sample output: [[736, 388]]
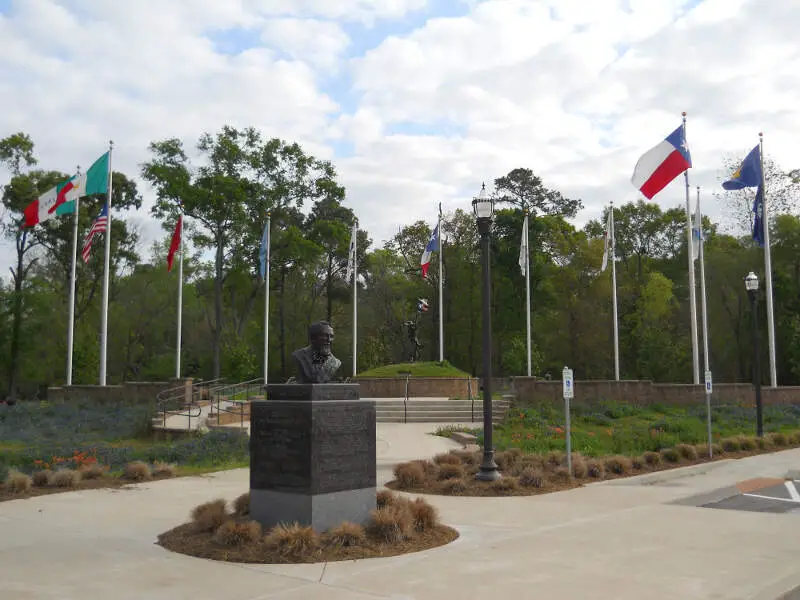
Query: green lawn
[[419, 369], [612, 428]]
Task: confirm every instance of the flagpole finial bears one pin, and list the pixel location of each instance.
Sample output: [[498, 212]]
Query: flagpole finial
[[683, 114], [110, 144], [761, 134]]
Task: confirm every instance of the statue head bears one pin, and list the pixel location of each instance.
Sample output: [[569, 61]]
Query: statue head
[[320, 336]]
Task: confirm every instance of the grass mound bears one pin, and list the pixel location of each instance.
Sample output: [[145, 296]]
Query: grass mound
[[418, 369], [398, 526]]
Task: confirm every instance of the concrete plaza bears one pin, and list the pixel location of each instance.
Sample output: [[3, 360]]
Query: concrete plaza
[[629, 538]]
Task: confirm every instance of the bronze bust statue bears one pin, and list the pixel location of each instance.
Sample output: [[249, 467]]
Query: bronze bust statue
[[315, 363]]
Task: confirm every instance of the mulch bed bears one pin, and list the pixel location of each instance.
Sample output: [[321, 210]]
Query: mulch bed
[[105, 482], [186, 540], [554, 478]]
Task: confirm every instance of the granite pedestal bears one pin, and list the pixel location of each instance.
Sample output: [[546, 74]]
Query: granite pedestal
[[312, 455]]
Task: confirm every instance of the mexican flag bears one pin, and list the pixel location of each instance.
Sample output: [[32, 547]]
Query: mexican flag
[[61, 199]]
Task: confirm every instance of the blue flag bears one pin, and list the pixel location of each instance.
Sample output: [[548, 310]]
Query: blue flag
[[748, 174], [758, 217], [262, 252]]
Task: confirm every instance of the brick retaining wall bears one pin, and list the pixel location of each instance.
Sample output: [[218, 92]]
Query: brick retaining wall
[[133, 392]]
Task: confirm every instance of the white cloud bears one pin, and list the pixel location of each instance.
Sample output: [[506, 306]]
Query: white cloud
[[575, 90]]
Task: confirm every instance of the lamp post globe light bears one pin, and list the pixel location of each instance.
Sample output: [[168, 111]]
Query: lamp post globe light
[[751, 285], [483, 206]]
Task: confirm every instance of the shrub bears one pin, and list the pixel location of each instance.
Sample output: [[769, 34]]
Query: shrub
[[137, 471], [671, 455], [532, 478], [638, 463], [94, 471], [779, 439], [241, 506], [430, 469], [346, 534], [505, 484], [231, 533], [293, 540], [65, 478], [163, 469], [579, 468], [595, 469], [424, 515], [450, 471], [453, 487], [554, 458], [561, 474], [447, 459], [794, 438], [392, 523], [731, 445], [701, 450], [385, 498], [209, 516], [409, 475], [652, 458], [765, 443], [747, 443], [18, 483], [468, 458], [717, 449], [42, 478], [508, 460], [533, 461], [619, 465], [687, 451]]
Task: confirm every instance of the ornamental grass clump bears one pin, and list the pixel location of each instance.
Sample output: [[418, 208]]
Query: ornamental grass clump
[[747, 443], [346, 535], [42, 478], [619, 465], [65, 478], [505, 484], [18, 483], [93, 471], [731, 445], [450, 471], [671, 455], [652, 459], [532, 478], [137, 471], [687, 451], [453, 487], [392, 524], [595, 469], [779, 439], [447, 459], [163, 469], [241, 506], [293, 540], [231, 533], [424, 516], [209, 516], [409, 475], [385, 498]]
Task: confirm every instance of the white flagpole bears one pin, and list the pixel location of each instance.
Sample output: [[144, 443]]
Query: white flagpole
[[706, 359], [441, 287], [355, 298], [266, 299], [773, 375], [612, 233], [180, 301], [106, 267], [526, 227], [71, 316], [692, 284]]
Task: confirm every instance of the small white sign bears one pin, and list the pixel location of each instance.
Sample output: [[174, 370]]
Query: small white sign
[[568, 383], [709, 386]]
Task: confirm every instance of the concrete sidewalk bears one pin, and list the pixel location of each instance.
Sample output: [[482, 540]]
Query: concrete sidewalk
[[614, 540]]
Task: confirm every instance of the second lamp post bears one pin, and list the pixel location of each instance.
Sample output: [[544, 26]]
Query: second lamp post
[[484, 211], [751, 284]]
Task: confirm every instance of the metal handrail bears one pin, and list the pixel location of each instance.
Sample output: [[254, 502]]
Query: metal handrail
[[191, 409], [224, 391]]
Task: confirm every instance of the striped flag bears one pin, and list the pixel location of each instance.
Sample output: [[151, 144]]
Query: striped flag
[[99, 226]]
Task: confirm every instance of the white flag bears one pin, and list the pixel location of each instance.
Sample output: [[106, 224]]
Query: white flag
[[606, 250], [697, 230], [523, 247], [351, 257]]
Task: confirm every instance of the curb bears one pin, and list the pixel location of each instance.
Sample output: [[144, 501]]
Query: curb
[[666, 475]]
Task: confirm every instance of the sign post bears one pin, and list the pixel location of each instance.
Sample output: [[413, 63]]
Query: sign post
[[569, 392], [709, 389]]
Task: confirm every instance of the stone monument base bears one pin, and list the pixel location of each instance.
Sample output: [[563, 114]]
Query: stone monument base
[[312, 456]]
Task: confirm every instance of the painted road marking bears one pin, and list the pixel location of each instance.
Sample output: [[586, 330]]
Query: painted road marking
[[793, 493], [772, 498]]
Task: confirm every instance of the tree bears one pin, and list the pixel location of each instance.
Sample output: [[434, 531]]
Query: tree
[[524, 189]]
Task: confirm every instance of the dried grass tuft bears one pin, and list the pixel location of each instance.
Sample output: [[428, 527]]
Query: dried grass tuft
[[687, 451], [409, 475], [619, 465], [385, 498], [162, 469], [453, 487], [346, 534], [209, 516], [241, 506], [94, 471], [65, 478], [451, 471], [18, 483], [532, 478], [42, 478], [138, 471], [392, 524], [779, 439], [652, 458], [505, 484], [294, 540], [424, 515], [671, 455], [231, 533], [447, 459], [595, 469]]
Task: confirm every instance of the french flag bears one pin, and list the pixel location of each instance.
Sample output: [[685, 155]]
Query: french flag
[[433, 244], [662, 163]]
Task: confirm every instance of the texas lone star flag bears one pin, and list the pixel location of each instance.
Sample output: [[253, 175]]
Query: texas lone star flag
[[60, 200], [433, 244], [662, 163]]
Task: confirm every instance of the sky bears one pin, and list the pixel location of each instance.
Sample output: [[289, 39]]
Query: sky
[[415, 102]]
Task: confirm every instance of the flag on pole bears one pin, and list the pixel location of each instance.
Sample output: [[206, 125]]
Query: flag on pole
[[523, 247], [433, 245], [351, 254], [748, 174], [607, 242], [262, 252], [98, 226], [175, 243], [53, 203], [662, 163], [697, 231], [758, 217], [422, 305]]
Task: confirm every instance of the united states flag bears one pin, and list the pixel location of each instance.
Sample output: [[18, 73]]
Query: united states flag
[[100, 224]]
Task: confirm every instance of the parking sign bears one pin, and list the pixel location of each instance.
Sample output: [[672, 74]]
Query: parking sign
[[568, 383], [708, 382]]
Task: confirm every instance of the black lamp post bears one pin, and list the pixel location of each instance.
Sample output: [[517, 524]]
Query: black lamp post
[[484, 211], [751, 284]]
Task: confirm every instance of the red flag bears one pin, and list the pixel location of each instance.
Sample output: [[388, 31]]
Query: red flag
[[175, 244]]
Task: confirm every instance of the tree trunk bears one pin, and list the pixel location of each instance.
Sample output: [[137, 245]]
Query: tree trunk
[[217, 340]]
